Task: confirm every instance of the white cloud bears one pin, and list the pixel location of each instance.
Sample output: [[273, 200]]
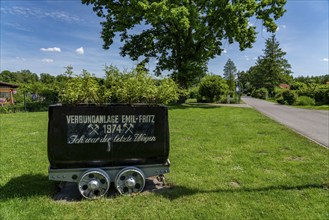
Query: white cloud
[[250, 24], [47, 60], [281, 26], [21, 59], [41, 14], [80, 51], [51, 49], [325, 59]]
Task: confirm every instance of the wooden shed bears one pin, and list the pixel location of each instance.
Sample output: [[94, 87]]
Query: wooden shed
[[6, 93]]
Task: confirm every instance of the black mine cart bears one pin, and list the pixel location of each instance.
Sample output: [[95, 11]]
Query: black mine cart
[[96, 145]]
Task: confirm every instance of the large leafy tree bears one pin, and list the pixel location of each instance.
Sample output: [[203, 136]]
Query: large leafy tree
[[272, 68], [230, 73], [183, 34]]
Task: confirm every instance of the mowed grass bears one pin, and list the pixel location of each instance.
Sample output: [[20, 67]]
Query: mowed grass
[[226, 163]]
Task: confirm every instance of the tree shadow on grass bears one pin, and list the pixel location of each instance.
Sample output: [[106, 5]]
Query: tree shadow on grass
[[31, 185], [175, 192], [36, 185], [27, 185], [193, 105]]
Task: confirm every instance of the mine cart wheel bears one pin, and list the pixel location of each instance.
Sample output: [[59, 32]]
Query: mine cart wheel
[[130, 180], [94, 183]]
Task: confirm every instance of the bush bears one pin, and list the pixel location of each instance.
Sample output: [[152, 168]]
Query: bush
[[11, 108], [229, 100], [278, 92], [83, 88], [280, 100], [261, 93], [37, 106], [289, 97], [193, 92], [298, 86], [119, 87], [212, 87], [321, 96], [138, 87], [316, 91], [305, 100]]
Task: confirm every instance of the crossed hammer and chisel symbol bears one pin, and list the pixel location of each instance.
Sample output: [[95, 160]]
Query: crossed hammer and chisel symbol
[[128, 128], [94, 128]]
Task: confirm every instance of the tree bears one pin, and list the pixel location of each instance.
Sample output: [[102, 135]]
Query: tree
[[7, 76], [26, 76], [271, 68], [230, 73], [244, 79], [313, 79], [183, 34], [47, 78], [212, 87]]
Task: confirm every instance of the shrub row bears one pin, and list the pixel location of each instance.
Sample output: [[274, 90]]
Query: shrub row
[[291, 97], [30, 107], [318, 92], [119, 87]]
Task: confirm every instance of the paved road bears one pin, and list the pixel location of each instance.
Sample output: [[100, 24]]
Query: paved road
[[314, 124]]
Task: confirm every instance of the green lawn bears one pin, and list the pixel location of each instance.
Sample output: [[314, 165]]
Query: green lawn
[[227, 163]]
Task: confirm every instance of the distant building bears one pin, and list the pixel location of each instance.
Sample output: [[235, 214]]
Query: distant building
[[6, 93], [284, 86]]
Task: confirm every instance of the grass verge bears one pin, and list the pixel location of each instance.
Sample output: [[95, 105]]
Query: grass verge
[[227, 163], [313, 107]]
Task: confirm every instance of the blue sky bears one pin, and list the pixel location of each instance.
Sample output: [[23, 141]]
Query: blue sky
[[45, 36]]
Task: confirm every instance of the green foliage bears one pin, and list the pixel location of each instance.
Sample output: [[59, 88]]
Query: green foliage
[[23, 76], [5, 109], [271, 69], [230, 73], [168, 91], [281, 100], [212, 87], [7, 76], [289, 97], [46, 78], [245, 82], [261, 93], [225, 99], [183, 35], [83, 88], [70, 88], [193, 92], [305, 100], [138, 87], [321, 95], [303, 89], [319, 92], [278, 92], [298, 86], [313, 79]]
